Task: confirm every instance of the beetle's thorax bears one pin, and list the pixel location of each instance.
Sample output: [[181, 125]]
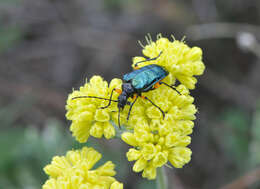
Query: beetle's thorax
[[127, 91]]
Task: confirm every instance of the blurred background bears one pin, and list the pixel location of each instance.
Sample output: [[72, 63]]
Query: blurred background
[[48, 47]]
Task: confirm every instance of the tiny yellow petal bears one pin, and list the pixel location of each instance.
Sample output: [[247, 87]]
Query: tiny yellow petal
[[116, 185], [162, 43], [160, 159], [183, 90], [97, 130], [133, 154], [107, 169], [109, 130], [139, 165], [153, 112], [115, 83], [84, 116], [187, 113], [164, 129], [56, 167], [80, 130], [129, 138], [175, 139], [198, 68], [189, 82], [50, 184], [148, 151], [96, 80], [194, 54], [179, 156], [185, 127], [102, 115], [149, 172]]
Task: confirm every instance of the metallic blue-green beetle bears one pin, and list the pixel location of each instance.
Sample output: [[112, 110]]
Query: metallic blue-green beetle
[[135, 83], [144, 79]]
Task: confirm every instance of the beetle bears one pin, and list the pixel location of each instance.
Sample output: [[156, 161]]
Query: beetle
[[135, 83]]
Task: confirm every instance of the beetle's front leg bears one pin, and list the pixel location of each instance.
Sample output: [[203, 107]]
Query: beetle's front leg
[[131, 106]]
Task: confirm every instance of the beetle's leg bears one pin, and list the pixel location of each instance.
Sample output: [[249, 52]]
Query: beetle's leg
[[119, 118], [172, 87], [131, 106], [146, 60], [144, 97], [110, 99]]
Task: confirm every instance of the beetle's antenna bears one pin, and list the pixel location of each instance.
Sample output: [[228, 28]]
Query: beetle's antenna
[[148, 59], [94, 97], [110, 99]]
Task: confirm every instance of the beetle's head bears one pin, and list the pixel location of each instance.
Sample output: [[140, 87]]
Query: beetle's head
[[122, 101], [127, 91]]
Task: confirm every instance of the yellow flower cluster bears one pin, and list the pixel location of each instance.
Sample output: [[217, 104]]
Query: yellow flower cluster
[[158, 141], [74, 171], [155, 140], [85, 113], [181, 61]]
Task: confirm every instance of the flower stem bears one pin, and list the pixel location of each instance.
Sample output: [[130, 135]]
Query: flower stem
[[161, 179]]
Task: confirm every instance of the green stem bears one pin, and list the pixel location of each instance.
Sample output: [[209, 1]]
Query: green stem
[[161, 179]]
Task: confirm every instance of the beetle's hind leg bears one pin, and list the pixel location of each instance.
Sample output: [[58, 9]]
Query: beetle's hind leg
[[110, 99], [172, 87], [146, 60], [163, 113]]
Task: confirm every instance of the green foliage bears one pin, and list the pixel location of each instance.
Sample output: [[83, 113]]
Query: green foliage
[[112, 4], [147, 184], [11, 112], [8, 37], [254, 150], [24, 152], [241, 139], [235, 136]]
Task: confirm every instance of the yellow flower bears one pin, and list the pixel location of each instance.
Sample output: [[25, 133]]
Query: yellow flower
[[156, 140], [116, 185], [155, 147], [85, 113], [181, 61], [74, 171]]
